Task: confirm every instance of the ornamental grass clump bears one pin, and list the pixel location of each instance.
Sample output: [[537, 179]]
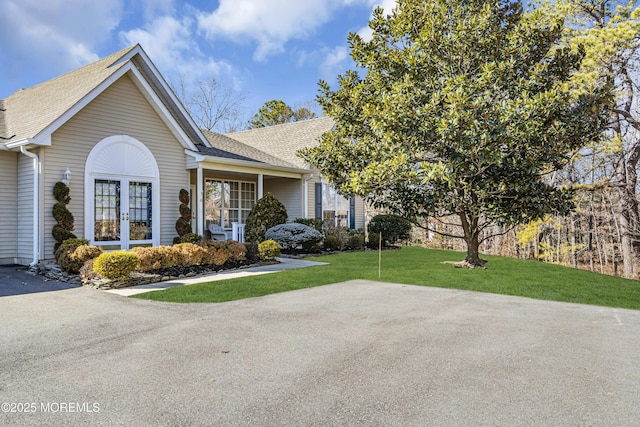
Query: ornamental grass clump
[[293, 235], [116, 265]]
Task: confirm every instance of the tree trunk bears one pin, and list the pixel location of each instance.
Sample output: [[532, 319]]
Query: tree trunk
[[471, 238], [473, 251], [629, 216]]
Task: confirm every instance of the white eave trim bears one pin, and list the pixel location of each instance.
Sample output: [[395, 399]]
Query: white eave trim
[[21, 142], [201, 158]]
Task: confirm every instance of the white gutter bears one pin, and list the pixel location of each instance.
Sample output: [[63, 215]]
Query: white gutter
[[36, 215]]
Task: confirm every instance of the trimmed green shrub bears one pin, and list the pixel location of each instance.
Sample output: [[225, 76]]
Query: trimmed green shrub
[[266, 213], [374, 241], [392, 227], [116, 264], [269, 249], [330, 243], [356, 241]]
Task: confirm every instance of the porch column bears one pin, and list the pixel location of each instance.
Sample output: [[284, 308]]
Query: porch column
[[260, 186], [200, 193]]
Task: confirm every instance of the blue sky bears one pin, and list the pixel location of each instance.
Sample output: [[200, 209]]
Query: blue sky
[[265, 49]]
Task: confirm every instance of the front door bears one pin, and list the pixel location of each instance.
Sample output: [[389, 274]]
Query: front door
[[123, 212]]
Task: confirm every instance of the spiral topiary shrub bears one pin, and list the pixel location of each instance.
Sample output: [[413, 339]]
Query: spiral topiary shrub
[[63, 229], [266, 213], [115, 265], [183, 224], [269, 250], [293, 235]]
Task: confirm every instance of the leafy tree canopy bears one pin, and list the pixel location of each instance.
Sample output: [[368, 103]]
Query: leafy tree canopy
[[463, 110], [276, 112]]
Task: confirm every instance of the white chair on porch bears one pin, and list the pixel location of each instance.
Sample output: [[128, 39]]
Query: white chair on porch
[[218, 233]]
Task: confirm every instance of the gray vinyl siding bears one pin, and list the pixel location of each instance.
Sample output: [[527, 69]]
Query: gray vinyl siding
[[289, 192], [121, 110], [8, 194], [25, 223]]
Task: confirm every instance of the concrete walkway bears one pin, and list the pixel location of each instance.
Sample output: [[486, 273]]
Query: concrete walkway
[[285, 264]]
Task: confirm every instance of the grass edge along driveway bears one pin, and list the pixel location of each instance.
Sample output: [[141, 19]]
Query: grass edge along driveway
[[413, 265]]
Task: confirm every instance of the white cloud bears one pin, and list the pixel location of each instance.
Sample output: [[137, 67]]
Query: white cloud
[[61, 33], [334, 62], [270, 24], [170, 44], [387, 5]]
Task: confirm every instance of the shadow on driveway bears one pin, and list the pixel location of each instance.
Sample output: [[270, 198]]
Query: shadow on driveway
[[18, 280]]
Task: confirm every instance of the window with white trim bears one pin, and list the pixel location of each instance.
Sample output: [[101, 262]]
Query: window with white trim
[[227, 202], [335, 208]]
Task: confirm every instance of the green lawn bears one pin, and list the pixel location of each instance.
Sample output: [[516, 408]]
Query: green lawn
[[423, 267]]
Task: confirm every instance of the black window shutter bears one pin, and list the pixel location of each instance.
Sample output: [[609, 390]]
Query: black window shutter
[[318, 200], [352, 213]]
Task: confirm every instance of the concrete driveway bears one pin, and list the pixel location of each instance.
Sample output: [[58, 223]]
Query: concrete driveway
[[355, 353]]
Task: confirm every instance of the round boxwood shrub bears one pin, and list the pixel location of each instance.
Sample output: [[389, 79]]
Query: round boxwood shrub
[[115, 265], [267, 212], [292, 235], [392, 227], [269, 249]]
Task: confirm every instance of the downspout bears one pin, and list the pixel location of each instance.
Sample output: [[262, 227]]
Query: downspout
[[36, 215], [305, 195]]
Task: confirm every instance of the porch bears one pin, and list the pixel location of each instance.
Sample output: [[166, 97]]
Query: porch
[[221, 198]]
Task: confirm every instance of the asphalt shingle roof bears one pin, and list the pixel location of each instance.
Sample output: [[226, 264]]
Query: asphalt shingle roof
[[284, 141], [231, 148], [30, 111]]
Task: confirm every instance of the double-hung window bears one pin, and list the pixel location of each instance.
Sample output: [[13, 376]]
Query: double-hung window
[[227, 202]]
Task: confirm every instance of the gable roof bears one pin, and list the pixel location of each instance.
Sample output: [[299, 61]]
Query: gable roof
[[283, 141], [228, 148], [32, 114]]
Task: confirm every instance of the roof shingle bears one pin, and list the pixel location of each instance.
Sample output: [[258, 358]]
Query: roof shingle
[[283, 141], [30, 111]]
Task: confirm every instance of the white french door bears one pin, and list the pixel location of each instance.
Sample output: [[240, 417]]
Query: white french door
[[123, 212]]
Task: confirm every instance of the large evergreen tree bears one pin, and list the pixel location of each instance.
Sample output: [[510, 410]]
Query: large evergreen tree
[[462, 111]]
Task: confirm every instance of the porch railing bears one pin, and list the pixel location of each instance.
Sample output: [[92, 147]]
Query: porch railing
[[237, 232]]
